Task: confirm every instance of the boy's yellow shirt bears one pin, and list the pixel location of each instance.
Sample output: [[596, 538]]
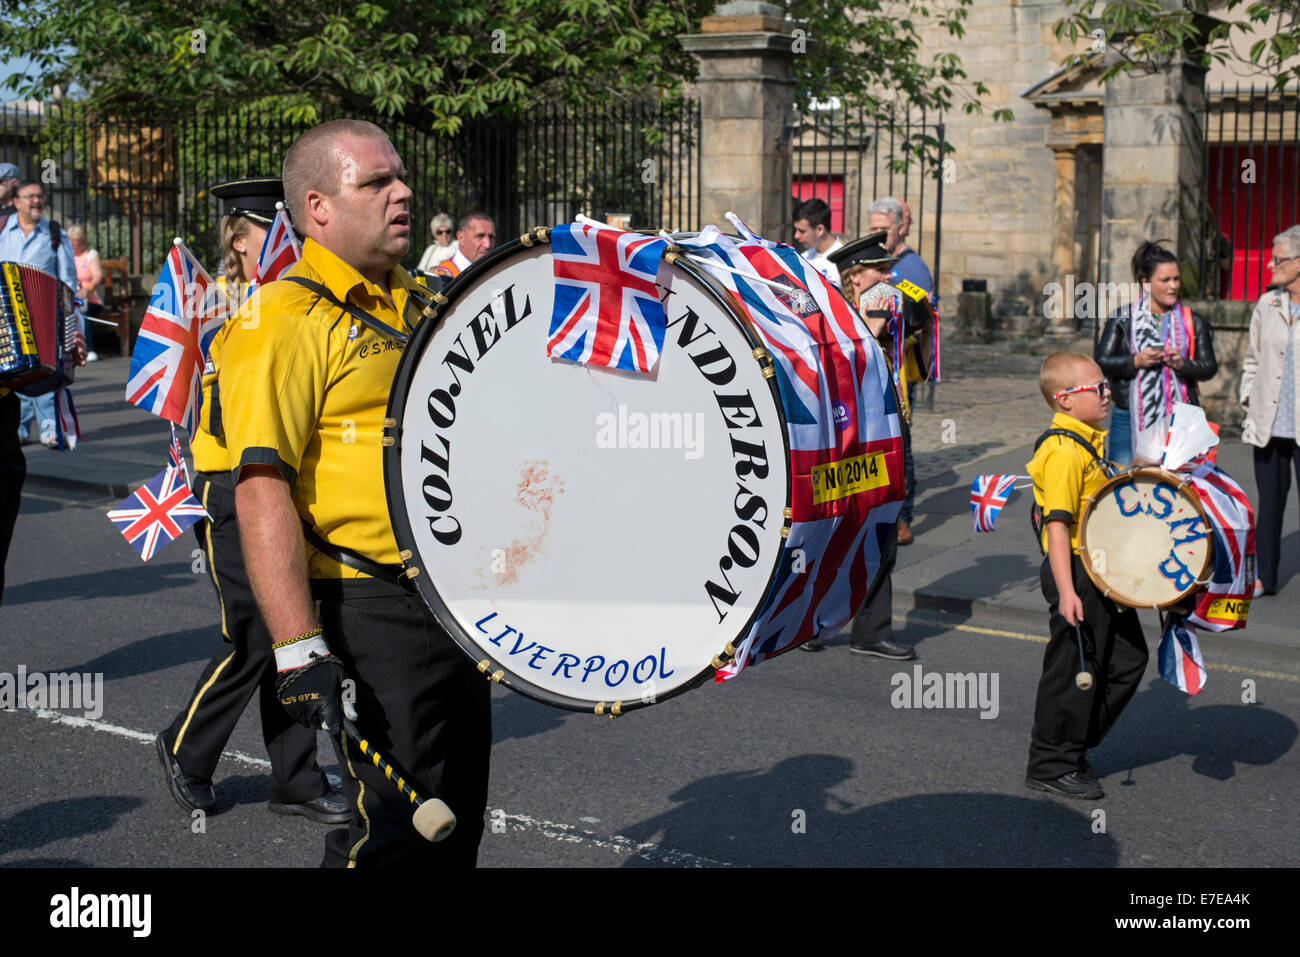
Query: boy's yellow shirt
[[1065, 474]]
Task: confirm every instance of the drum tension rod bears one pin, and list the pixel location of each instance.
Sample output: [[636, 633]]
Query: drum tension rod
[[615, 710], [496, 676]]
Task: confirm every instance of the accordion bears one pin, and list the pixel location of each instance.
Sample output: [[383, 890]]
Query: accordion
[[38, 328]]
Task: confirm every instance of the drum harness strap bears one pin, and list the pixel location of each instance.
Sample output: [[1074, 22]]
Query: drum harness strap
[[393, 574], [363, 317], [1036, 511]]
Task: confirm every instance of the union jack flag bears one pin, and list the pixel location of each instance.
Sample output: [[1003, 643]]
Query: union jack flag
[[280, 249], [157, 512], [1224, 603], [1180, 658], [988, 494], [839, 402], [607, 310], [168, 359]]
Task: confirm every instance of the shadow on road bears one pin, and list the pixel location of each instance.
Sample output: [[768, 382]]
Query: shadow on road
[[138, 579], [36, 826], [1218, 736], [787, 816], [514, 716], [156, 653]]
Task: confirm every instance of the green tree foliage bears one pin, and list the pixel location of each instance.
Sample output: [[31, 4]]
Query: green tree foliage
[[1146, 34], [435, 65]]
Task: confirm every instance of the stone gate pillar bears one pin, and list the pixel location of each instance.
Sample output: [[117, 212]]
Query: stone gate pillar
[[746, 87], [1152, 167]]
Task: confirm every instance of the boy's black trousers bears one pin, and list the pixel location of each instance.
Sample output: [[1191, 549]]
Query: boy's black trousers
[[1067, 721]]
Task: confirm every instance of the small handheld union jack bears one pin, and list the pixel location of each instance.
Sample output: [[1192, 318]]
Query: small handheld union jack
[[157, 512], [167, 362], [280, 249], [607, 310], [988, 493]]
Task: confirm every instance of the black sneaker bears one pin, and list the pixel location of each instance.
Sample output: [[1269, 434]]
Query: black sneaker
[[329, 808], [191, 793], [812, 644], [885, 649], [1076, 784]]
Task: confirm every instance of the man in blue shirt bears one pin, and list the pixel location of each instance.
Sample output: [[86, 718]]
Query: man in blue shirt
[[887, 214], [27, 238]]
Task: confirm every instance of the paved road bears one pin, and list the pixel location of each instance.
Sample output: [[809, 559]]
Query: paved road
[[800, 761]]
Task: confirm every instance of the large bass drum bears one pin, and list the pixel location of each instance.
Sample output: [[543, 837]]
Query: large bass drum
[[594, 539]]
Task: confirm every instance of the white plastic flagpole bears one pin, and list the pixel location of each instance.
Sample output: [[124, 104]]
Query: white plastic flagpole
[[710, 264]]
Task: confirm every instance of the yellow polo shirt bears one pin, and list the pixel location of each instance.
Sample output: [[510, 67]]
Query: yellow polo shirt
[[1065, 474], [304, 387], [207, 444]]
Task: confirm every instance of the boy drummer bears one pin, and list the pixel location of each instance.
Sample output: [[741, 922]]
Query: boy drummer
[[1066, 469]]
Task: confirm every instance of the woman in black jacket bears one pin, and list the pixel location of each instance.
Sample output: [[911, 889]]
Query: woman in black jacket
[[1153, 351]]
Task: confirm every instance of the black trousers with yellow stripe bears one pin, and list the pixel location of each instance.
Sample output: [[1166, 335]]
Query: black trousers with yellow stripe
[[422, 704], [199, 733]]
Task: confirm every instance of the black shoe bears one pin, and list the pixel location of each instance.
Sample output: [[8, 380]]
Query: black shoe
[[812, 644], [885, 649], [329, 808], [191, 793], [1076, 784]]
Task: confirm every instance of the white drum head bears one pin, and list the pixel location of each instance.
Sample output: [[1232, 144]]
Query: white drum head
[[593, 536], [1144, 539]]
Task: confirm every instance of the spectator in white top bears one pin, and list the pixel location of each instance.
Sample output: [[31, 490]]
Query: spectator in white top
[[812, 231], [444, 245]]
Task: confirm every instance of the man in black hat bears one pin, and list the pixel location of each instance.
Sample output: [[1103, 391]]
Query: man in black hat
[[864, 270], [191, 745]]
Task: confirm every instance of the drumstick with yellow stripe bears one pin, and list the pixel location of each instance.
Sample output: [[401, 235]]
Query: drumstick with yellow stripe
[[433, 819]]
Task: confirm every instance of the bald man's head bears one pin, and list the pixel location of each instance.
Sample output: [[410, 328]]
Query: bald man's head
[[344, 184], [1066, 370], [317, 161]]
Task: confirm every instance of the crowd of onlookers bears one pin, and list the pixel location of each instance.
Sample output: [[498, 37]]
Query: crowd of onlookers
[[1154, 351]]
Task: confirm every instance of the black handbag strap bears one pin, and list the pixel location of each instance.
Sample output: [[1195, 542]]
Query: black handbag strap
[[393, 574], [363, 317]]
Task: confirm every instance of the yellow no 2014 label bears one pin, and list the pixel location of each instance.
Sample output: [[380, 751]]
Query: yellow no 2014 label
[[21, 315], [836, 480], [1233, 609]]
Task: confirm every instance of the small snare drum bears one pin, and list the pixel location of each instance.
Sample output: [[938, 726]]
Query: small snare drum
[[1145, 540]]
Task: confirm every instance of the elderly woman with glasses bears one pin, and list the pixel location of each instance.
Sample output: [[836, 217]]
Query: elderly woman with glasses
[[443, 246], [1272, 401], [1153, 351]]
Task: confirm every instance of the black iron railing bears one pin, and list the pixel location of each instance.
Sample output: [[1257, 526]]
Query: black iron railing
[[134, 182], [851, 157], [1251, 188]]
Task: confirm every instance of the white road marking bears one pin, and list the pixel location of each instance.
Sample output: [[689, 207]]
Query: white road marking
[[569, 834], [144, 737], [566, 833]]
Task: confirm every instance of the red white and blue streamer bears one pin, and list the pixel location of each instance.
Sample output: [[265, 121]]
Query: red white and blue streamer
[[815, 338]]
